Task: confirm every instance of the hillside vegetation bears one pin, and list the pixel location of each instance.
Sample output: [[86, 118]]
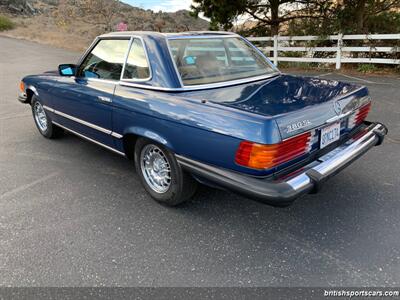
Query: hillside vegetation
[[73, 24], [5, 23]]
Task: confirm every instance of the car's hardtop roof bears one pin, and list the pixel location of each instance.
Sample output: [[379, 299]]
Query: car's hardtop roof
[[168, 35], [164, 73]]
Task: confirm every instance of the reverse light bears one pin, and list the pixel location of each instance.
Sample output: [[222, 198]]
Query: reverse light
[[261, 156]]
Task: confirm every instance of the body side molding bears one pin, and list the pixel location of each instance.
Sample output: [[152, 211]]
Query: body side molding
[[89, 139], [101, 129]]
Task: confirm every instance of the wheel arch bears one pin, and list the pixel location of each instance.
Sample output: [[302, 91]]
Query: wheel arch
[[131, 136], [30, 91]]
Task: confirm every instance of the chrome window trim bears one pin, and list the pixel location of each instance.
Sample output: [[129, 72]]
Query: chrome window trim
[[126, 58], [168, 34], [199, 87], [203, 36], [222, 83], [148, 87], [174, 64], [89, 139], [109, 81], [147, 59], [80, 121]]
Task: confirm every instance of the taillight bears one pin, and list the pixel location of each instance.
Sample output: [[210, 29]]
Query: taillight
[[260, 156], [360, 115]]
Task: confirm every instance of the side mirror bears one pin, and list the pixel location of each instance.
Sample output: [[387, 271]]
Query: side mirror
[[67, 70]]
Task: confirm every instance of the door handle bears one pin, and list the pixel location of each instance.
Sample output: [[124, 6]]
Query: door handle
[[104, 99]]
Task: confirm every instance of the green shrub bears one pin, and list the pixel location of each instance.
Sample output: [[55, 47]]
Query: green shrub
[[6, 23], [366, 68]]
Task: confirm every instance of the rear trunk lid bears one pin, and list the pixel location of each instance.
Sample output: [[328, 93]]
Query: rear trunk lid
[[297, 104]]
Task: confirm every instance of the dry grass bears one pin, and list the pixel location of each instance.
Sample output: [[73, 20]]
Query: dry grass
[[41, 29]]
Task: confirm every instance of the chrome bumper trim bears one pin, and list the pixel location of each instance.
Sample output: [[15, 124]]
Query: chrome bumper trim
[[343, 155]]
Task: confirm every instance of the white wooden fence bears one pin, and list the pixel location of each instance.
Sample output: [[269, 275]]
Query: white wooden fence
[[342, 52]]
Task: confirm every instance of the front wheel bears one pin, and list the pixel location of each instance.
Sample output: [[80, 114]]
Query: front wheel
[[161, 174], [42, 120]]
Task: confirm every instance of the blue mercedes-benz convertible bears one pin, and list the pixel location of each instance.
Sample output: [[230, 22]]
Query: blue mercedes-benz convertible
[[205, 107]]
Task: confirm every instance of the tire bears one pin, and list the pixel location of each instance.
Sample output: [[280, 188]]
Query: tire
[[180, 186], [42, 120]]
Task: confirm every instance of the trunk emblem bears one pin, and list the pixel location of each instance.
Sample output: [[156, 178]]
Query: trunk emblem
[[297, 125], [337, 107]]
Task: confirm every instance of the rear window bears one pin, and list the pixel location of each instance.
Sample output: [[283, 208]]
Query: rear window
[[212, 60]]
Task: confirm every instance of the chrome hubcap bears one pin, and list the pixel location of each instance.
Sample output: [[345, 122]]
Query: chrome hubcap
[[40, 116], [155, 168]]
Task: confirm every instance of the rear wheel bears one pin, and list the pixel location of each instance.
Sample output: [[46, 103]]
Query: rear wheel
[[161, 174], [42, 120]]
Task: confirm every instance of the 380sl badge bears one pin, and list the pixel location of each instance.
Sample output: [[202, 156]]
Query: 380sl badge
[[297, 125]]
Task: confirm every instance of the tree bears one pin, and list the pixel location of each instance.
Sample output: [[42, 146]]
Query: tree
[[351, 16], [268, 14], [299, 16], [354, 15]]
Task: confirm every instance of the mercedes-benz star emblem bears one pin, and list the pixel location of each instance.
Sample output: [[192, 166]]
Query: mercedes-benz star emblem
[[337, 107]]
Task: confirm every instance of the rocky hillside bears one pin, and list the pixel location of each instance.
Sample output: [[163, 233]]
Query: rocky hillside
[[26, 7], [73, 24]]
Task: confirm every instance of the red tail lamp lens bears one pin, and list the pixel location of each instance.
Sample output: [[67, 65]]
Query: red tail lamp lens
[[362, 113], [259, 156]]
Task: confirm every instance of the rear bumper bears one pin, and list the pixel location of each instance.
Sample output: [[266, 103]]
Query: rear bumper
[[305, 180]]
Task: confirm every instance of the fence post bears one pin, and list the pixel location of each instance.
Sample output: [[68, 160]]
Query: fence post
[[276, 50], [339, 51]]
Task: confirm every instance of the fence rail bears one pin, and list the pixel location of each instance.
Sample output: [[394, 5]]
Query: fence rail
[[339, 48]]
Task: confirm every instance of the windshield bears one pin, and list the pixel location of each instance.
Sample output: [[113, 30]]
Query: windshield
[[212, 60]]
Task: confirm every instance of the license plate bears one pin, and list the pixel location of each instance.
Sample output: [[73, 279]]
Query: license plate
[[329, 134]]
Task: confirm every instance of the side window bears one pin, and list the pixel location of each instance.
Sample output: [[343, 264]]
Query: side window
[[105, 61], [137, 66]]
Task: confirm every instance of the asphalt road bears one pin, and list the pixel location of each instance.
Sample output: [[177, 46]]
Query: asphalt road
[[73, 214]]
